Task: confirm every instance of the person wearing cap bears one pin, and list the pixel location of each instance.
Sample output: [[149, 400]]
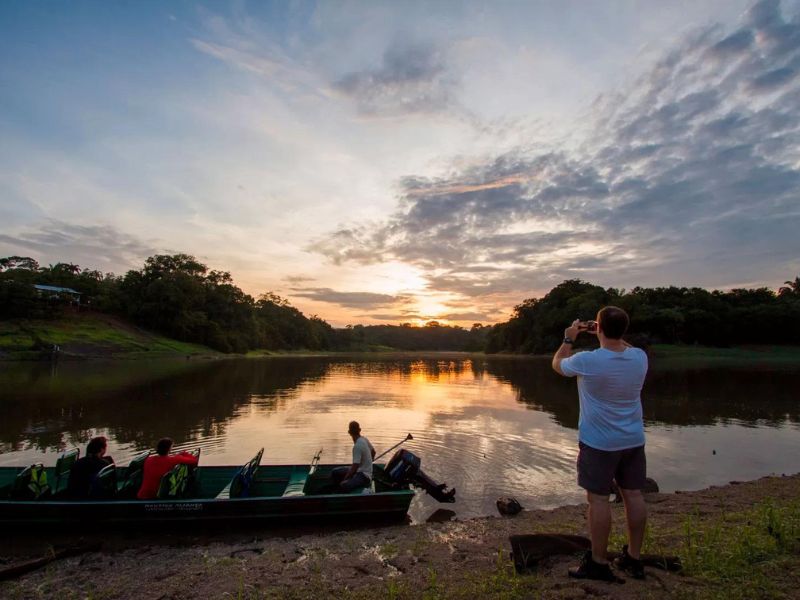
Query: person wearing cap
[[359, 473]]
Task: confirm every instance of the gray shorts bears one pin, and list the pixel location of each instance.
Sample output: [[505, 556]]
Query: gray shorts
[[598, 468]]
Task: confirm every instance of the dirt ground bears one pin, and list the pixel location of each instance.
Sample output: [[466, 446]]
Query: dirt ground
[[468, 559]]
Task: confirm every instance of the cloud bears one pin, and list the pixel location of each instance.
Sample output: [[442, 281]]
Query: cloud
[[362, 300], [690, 174], [402, 316], [241, 59], [295, 279], [465, 316], [94, 246], [412, 78]]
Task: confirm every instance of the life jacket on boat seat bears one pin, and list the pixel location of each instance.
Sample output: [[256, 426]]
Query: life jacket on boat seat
[[31, 483], [174, 483], [180, 481]]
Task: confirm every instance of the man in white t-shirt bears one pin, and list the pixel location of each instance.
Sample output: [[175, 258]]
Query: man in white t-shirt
[[610, 436], [358, 474]]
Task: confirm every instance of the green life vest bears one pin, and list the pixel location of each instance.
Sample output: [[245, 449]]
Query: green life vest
[[38, 481]]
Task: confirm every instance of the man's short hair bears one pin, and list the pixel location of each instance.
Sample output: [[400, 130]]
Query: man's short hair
[[96, 445], [354, 427], [163, 446], [613, 322]]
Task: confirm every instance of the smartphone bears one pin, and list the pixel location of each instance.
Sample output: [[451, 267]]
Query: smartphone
[[591, 326]]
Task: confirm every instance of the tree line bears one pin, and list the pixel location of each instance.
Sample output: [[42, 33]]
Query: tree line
[[180, 297], [665, 315], [175, 295]]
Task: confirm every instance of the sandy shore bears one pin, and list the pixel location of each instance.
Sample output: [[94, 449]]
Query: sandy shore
[[466, 559]]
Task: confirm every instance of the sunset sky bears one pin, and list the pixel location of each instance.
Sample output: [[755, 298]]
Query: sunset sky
[[405, 161]]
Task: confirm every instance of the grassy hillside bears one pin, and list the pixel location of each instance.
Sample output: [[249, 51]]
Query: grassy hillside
[[87, 335], [683, 356]]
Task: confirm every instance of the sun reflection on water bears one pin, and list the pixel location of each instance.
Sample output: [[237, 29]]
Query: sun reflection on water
[[488, 427]]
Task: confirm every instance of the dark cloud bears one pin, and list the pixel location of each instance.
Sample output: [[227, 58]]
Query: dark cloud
[[362, 300], [407, 317], [295, 279], [101, 247], [412, 78], [690, 175], [465, 316], [734, 43], [402, 316], [774, 78]]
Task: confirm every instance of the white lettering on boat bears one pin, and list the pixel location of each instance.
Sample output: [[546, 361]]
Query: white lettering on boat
[[182, 506]]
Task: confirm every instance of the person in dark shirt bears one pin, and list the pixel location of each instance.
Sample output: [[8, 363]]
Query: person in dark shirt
[[84, 470], [156, 465]]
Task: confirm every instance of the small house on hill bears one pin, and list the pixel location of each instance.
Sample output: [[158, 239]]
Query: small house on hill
[[53, 292]]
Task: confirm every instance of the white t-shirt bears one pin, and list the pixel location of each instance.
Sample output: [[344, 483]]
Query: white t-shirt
[[609, 388], [362, 456]]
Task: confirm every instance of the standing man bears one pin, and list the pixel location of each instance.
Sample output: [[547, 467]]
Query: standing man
[[610, 435], [359, 473]]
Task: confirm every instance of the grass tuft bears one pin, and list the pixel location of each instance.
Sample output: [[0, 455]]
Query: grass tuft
[[738, 553]]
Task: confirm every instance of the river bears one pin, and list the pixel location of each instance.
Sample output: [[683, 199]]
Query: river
[[487, 426]]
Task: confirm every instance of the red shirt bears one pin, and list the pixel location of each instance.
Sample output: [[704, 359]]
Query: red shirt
[[156, 466]]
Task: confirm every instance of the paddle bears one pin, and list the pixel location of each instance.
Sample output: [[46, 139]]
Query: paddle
[[407, 438]]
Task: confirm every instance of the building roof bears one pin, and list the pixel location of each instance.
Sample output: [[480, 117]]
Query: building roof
[[54, 288]]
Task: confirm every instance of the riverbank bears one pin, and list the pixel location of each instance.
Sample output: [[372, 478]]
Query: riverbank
[[682, 357], [735, 541], [96, 336], [86, 336]]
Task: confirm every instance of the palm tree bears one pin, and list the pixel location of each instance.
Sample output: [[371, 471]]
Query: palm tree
[[791, 287]]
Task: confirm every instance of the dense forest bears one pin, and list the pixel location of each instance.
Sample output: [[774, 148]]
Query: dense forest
[[665, 315], [178, 296], [173, 295]]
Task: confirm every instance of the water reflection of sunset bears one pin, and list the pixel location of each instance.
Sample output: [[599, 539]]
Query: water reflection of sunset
[[487, 426]]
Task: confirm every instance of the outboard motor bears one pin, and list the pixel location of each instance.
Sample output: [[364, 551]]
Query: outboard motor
[[404, 468]]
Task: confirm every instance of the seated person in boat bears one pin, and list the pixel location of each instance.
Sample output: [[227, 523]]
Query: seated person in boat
[[358, 474], [84, 470], [158, 464]]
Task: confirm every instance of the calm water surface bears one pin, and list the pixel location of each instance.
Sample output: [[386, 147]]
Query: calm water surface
[[487, 426]]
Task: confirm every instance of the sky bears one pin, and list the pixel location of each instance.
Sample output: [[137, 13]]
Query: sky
[[388, 162]]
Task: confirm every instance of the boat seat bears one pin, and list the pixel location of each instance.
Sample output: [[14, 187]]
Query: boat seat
[[133, 476], [239, 486], [64, 466], [174, 482], [297, 484], [298, 480], [31, 483], [104, 484]]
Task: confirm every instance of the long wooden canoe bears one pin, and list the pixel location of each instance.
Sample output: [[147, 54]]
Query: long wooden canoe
[[277, 492]]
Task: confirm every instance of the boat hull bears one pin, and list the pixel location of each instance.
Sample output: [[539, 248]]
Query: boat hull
[[383, 505]]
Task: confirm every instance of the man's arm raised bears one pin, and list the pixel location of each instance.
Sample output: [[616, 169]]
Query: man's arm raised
[[565, 350]]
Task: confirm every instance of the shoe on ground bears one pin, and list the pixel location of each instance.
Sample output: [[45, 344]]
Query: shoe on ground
[[631, 566], [589, 569]]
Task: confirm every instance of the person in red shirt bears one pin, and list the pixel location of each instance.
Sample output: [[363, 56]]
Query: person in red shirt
[[156, 465]]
